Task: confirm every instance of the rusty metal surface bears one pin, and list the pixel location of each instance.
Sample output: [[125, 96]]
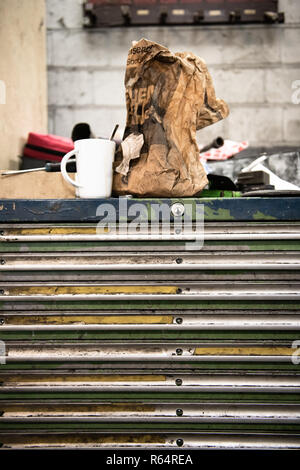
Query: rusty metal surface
[[114, 343], [148, 261], [212, 231], [286, 290], [135, 350], [188, 382], [85, 210], [151, 321], [182, 440], [150, 412]]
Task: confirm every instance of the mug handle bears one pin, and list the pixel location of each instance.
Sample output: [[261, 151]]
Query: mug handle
[[63, 168]]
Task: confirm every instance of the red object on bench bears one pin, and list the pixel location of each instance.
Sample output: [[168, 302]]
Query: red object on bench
[[47, 147]]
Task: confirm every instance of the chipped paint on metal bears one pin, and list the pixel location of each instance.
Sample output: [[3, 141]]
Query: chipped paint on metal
[[211, 213], [77, 230], [78, 378], [88, 319], [244, 351], [75, 408], [90, 290], [261, 216], [31, 440]]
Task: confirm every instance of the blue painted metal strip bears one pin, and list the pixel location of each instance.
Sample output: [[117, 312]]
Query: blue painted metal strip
[[85, 210]]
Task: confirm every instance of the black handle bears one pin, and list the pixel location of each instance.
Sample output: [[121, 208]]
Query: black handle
[[51, 167]]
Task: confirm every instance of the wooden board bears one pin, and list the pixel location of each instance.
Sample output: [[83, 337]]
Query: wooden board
[[35, 185]]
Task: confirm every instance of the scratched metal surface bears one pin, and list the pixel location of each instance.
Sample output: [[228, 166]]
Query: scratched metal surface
[[140, 343], [85, 210]]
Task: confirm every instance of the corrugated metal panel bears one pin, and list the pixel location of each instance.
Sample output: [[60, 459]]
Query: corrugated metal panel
[[118, 343]]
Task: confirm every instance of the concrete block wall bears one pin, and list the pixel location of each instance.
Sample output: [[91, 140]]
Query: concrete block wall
[[253, 67]]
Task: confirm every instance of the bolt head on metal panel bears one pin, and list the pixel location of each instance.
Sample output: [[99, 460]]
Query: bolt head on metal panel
[[177, 209]]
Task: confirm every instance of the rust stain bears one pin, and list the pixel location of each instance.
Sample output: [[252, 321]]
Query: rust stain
[[88, 319], [74, 408], [90, 290], [246, 351], [57, 231], [65, 439], [35, 379]]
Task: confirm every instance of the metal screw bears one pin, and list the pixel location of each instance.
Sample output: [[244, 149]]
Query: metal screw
[[178, 231], [2, 261], [1, 291], [178, 351], [179, 412], [1, 232], [2, 321], [180, 442], [179, 291], [179, 320], [178, 382], [178, 260], [177, 209]]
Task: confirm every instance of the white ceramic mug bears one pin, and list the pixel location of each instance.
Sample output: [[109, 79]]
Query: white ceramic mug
[[94, 161]]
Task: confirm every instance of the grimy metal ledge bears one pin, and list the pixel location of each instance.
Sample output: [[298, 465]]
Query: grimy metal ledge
[[215, 209], [112, 339]]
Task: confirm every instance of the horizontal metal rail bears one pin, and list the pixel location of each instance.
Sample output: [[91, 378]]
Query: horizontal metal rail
[[150, 440], [222, 231], [278, 275], [150, 383], [149, 351], [147, 419], [90, 228], [120, 322], [186, 236], [150, 412], [123, 297], [286, 290], [255, 383], [137, 262]]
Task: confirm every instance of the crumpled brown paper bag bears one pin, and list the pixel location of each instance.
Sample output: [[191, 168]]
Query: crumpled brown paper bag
[[168, 97]]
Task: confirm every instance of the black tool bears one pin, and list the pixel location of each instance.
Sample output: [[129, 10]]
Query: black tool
[[81, 131], [220, 182], [216, 143]]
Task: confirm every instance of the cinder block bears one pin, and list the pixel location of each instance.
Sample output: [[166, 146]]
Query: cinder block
[[51, 118], [291, 124], [248, 45], [70, 87], [257, 125], [49, 57], [203, 42], [64, 14], [291, 8], [109, 87], [290, 45], [252, 45], [79, 48], [239, 85], [279, 83], [119, 41], [102, 120]]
